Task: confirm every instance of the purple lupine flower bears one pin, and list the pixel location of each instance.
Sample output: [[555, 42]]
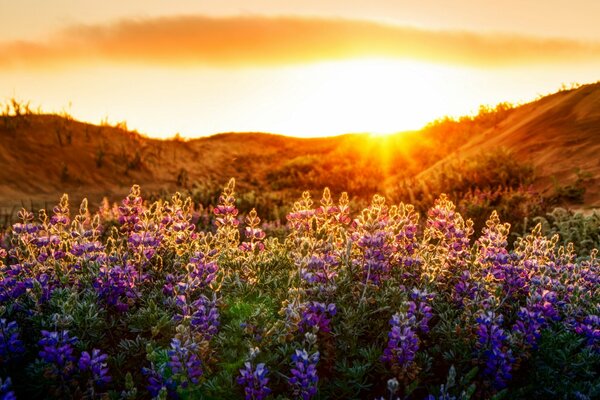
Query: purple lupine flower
[[492, 244], [60, 217], [590, 329], [117, 285], [43, 285], [131, 209], [57, 350], [25, 228], [226, 217], [202, 313], [201, 271], [465, 289], [405, 239], [451, 231], [300, 216], [10, 344], [226, 212], [320, 269], [89, 251], [513, 275], [545, 301], [540, 310], [156, 382], [377, 253], [403, 343], [185, 362], [146, 237], [316, 315], [5, 392], [327, 212], [254, 381], [168, 287], [493, 346], [96, 364], [420, 307], [13, 282], [497, 263], [254, 234], [528, 326], [304, 379], [176, 220]]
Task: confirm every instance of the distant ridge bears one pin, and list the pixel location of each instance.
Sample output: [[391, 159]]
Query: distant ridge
[[559, 134], [45, 155]]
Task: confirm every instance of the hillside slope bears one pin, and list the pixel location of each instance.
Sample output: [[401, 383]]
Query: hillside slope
[[559, 135], [43, 156]]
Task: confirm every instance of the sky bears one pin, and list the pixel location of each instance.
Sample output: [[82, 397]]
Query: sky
[[302, 68]]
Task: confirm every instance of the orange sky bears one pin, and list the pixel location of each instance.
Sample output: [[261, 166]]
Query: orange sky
[[305, 68]]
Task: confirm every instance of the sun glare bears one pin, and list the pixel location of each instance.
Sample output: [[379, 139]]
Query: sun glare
[[379, 96], [376, 96]]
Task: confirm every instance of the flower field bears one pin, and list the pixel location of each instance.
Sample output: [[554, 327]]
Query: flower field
[[137, 302]]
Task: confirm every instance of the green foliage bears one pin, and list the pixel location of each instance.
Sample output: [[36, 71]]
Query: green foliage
[[562, 368], [573, 227]]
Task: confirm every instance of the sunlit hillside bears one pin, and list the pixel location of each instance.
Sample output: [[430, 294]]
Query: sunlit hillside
[[550, 144]]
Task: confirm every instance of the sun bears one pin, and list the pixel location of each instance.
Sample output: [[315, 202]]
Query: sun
[[378, 96]]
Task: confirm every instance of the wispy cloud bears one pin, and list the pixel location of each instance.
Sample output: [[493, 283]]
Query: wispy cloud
[[259, 41]]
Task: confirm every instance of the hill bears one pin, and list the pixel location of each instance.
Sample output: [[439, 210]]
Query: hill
[[555, 137], [559, 135]]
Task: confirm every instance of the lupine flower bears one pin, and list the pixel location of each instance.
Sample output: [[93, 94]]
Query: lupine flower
[[420, 308], [319, 269], [5, 392], [301, 214], [13, 283], [25, 228], [377, 253], [205, 317], [405, 226], [254, 235], [528, 326], [176, 222], [57, 350], [43, 284], [450, 233], [60, 217], [304, 379], [131, 209], [10, 344], [202, 314], [254, 381], [540, 310], [493, 242], [96, 364], [465, 289], [403, 343], [226, 216], [493, 345], [168, 287], [185, 362], [316, 315], [85, 243], [89, 251], [156, 382], [201, 271], [117, 285], [590, 329], [145, 238]]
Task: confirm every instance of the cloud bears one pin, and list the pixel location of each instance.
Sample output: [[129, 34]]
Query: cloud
[[262, 41]]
